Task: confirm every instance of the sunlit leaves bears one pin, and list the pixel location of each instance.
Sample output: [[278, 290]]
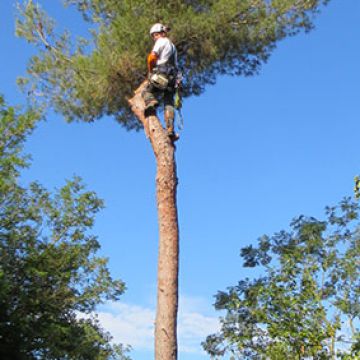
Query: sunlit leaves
[[309, 293], [49, 268]]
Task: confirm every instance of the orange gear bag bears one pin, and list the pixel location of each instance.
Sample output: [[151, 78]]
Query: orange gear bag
[[151, 61]]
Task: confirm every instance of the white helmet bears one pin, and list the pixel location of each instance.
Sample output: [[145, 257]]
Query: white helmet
[[158, 28]]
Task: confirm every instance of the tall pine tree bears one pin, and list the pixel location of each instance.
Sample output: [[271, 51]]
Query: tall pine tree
[[94, 77]]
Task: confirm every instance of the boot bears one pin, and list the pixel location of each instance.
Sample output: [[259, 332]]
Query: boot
[[152, 103], [173, 135], [150, 107], [149, 99]]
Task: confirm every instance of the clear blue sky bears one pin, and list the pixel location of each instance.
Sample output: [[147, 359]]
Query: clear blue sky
[[255, 152]]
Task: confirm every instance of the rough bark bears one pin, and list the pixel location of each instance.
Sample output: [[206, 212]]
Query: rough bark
[[168, 260]]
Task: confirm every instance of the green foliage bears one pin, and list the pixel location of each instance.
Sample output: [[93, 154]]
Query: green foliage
[[213, 37], [49, 271], [12, 134], [306, 303], [357, 187]]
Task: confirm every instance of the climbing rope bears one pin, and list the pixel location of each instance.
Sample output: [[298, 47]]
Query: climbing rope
[[178, 105], [179, 120]]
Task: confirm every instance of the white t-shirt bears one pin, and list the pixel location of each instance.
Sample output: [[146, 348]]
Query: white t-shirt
[[164, 48]]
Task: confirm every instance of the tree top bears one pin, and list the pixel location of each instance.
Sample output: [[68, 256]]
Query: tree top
[[85, 79]]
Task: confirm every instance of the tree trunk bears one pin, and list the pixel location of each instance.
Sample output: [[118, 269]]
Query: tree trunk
[[168, 260]]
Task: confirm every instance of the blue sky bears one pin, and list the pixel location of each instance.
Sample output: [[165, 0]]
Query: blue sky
[[254, 153]]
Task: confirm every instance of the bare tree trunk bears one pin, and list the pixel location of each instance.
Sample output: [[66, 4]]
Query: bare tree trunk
[[168, 260]]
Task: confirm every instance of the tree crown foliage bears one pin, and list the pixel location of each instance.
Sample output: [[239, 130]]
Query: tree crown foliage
[[94, 77], [307, 302], [49, 270]]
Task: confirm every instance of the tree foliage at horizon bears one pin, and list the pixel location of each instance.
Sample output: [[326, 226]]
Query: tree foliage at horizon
[[89, 78], [306, 303], [50, 276]]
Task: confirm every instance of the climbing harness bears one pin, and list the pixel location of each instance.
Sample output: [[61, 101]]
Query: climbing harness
[[160, 81]]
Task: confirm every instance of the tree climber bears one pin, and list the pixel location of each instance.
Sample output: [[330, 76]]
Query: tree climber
[[163, 77]]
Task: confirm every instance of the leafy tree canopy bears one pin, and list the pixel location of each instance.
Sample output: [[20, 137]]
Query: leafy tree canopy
[[306, 305], [93, 77], [49, 270]]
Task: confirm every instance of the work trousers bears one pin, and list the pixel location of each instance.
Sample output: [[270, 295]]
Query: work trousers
[[151, 94]]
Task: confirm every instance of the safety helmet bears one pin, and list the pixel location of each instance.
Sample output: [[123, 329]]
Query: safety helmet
[[157, 28]]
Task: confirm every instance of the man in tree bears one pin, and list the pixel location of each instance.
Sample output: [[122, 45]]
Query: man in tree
[[163, 76]]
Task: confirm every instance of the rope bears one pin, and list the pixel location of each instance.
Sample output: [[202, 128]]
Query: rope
[[179, 120]]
